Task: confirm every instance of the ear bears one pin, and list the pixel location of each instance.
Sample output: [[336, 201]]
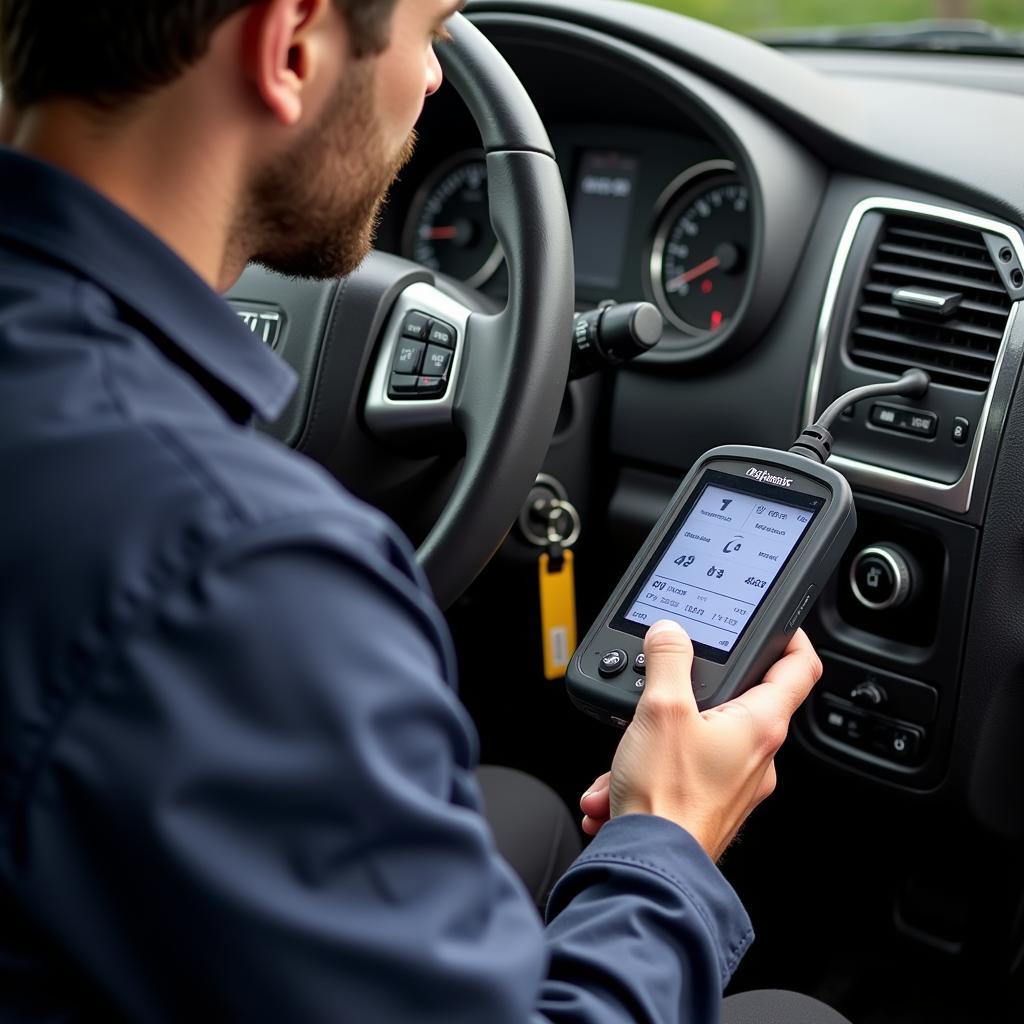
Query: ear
[[283, 49]]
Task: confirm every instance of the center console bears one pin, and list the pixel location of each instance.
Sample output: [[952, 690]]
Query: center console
[[913, 285]]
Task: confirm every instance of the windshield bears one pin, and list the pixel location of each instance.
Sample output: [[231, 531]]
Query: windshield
[[971, 26]]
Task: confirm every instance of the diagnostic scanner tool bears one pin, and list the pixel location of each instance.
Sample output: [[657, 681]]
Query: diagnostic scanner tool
[[737, 559]]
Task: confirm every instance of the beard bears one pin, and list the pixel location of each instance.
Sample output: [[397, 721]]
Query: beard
[[313, 212]]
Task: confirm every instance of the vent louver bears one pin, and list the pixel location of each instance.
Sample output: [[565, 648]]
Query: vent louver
[[938, 258]]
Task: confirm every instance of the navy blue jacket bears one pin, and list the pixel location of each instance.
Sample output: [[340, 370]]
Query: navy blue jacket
[[237, 783]]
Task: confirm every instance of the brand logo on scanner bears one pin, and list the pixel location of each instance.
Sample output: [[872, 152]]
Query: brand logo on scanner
[[762, 476]]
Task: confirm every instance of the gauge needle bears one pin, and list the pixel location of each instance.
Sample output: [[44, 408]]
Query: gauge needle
[[441, 234], [691, 275]]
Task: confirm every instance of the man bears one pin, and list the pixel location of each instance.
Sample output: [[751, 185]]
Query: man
[[236, 782]]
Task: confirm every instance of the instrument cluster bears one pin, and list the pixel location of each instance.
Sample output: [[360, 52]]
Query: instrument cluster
[[655, 216]]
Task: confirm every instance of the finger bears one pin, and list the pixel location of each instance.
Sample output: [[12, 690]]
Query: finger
[[669, 656], [597, 803], [601, 782], [772, 703], [591, 826], [793, 676]]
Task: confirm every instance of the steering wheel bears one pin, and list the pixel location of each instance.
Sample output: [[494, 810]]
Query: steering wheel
[[400, 440]]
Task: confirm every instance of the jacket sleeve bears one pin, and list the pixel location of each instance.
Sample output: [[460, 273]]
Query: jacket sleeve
[[262, 807]]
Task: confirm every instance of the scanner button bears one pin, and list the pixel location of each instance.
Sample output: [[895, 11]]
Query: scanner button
[[801, 610], [640, 664], [612, 663]]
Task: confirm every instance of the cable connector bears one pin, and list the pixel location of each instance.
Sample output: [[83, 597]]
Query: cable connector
[[814, 443], [816, 440]]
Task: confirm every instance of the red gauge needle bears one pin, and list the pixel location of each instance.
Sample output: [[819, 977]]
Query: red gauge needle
[[691, 275], [442, 234]]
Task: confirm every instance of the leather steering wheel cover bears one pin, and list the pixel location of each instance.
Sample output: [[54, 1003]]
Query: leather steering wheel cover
[[517, 362], [498, 102]]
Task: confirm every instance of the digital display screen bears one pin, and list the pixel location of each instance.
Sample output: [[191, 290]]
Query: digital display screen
[[601, 210], [716, 570]]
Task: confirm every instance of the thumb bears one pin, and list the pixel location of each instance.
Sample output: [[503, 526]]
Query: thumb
[[669, 655]]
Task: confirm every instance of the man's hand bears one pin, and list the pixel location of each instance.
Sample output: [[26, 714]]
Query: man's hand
[[704, 771]]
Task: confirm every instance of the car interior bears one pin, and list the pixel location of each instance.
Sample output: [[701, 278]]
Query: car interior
[[806, 220]]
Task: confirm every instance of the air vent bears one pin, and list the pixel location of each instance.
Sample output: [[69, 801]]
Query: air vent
[[919, 261]]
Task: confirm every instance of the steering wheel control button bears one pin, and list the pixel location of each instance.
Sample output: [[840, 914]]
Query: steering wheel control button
[[961, 430], [402, 385], [906, 421], [408, 356], [801, 609], [638, 684], [880, 578], [438, 362], [611, 664], [416, 325], [431, 387], [640, 664], [442, 334]]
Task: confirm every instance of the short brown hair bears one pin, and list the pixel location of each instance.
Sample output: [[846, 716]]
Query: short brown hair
[[107, 51]]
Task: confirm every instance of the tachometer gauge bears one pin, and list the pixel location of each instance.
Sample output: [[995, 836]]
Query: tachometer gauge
[[700, 253], [449, 225]]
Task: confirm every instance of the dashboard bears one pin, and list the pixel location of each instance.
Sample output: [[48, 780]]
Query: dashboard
[[658, 215], [806, 221], [804, 227]]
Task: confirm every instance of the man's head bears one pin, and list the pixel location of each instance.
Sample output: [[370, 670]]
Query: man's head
[[316, 97]]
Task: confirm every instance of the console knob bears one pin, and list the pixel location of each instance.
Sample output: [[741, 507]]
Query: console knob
[[881, 577]]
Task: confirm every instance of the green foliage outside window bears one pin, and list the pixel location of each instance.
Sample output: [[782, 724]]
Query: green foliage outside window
[[763, 15]]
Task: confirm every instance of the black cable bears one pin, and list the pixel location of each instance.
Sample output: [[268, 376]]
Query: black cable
[[913, 384], [816, 440]]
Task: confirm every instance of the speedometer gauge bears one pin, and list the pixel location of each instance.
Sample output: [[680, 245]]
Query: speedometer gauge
[[449, 225], [700, 254]]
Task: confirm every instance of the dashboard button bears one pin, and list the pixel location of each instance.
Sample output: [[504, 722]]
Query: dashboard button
[[612, 663], [898, 743], [416, 325], [906, 421], [638, 684], [843, 722], [880, 578], [833, 719], [408, 356], [961, 430], [923, 424], [640, 663], [906, 699], [869, 694]]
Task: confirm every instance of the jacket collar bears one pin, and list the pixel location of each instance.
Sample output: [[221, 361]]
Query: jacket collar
[[48, 210]]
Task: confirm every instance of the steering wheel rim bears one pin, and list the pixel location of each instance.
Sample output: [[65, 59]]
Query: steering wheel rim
[[511, 369], [507, 440]]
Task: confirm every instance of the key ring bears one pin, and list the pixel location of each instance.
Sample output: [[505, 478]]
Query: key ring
[[556, 510]]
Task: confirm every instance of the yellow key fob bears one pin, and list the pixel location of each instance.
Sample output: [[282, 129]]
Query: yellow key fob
[[557, 613]]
